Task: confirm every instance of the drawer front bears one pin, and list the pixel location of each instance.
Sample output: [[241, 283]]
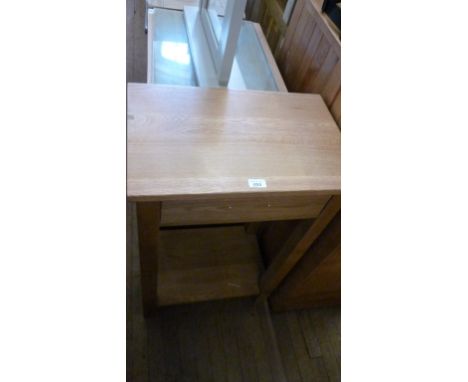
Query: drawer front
[[241, 210]]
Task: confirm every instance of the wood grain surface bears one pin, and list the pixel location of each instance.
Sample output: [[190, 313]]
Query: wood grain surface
[[186, 142], [310, 57], [201, 264], [241, 210], [307, 49]]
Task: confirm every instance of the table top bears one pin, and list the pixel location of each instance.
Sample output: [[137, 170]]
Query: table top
[[190, 142]]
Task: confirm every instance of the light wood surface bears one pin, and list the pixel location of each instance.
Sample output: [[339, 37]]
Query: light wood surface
[[186, 142], [201, 264], [241, 210]]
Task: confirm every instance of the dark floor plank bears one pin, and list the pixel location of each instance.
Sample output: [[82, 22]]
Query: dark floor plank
[[318, 324], [271, 343], [204, 361], [188, 346], [309, 343], [231, 350], [247, 353], [336, 346], [216, 347], [337, 321], [309, 335], [254, 334], [299, 347], [319, 370], [156, 364], [285, 345], [129, 290], [171, 353], [139, 349], [331, 319], [326, 333], [330, 362]]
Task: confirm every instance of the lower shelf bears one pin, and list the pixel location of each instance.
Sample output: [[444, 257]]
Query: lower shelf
[[201, 264]]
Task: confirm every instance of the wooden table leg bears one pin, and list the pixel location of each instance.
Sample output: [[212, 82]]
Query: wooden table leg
[[297, 291], [296, 246], [148, 218]]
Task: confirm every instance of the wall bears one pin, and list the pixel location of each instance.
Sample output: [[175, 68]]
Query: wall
[[307, 49]]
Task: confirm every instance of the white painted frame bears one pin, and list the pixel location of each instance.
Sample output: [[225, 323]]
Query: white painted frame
[[288, 10], [223, 49]]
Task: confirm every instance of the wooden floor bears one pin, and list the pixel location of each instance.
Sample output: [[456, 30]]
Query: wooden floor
[[211, 341], [230, 340], [309, 343]]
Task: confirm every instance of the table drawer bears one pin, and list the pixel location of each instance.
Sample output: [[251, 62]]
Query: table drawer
[[241, 210]]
